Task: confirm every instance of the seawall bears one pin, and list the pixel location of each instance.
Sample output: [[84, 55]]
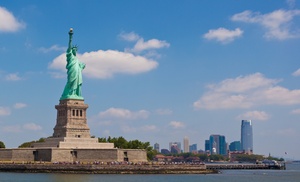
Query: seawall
[[106, 169]]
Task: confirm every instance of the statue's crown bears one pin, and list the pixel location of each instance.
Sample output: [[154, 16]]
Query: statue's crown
[[75, 47]]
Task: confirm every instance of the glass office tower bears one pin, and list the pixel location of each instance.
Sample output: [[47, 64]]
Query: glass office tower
[[218, 144], [246, 136]]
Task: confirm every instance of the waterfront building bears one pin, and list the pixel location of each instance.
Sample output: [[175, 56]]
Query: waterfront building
[[201, 151], [246, 136], [218, 144], [207, 146], [193, 148], [175, 147], [165, 151], [156, 147], [235, 146], [186, 145]]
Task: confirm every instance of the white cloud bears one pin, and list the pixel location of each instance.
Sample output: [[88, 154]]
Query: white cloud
[[105, 64], [12, 77], [20, 105], [246, 92], [243, 83], [291, 3], [32, 127], [146, 128], [295, 111], [297, 73], [277, 23], [177, 124], [254, 115], [106, 133], [128, 129], [58, 75], [11, 129], [4, 111], [129, 36], [8, 23], [223, 35], [164, 111], [120, 113], [52, 48], [141, 45], [289, 132], [105, 123]]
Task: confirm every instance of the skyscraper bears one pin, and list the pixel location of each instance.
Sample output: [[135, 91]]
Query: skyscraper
[[207, 146], [235, 146], [156, 147], [217, 144], [246, 136], [175, 146], [193, 148], [186, 145]]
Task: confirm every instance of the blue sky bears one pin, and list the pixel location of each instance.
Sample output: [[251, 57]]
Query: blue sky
[[156, 70]]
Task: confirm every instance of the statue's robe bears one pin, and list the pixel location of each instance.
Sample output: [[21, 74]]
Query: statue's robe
[[73, 86]]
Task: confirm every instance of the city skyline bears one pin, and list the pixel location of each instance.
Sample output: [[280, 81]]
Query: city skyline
[[217, 144], [156, 70]]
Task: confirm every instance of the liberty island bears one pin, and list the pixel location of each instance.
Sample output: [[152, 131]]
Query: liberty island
[[71, 140]]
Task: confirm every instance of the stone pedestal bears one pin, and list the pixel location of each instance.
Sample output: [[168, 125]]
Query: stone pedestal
[[71, 129], [71, 119]]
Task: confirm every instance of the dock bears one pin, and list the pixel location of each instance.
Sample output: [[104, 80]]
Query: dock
[[229, 166]]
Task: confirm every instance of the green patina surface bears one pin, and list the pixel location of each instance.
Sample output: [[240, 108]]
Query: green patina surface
[[74, 68]]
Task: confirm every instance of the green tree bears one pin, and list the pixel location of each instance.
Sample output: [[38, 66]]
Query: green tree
[[203, 157], [41, 140], [187, 155], [28, 144], [216, 157], [275, 158], [121, 142], [151, 153], [249, 158], [2, 145], [102, 140]]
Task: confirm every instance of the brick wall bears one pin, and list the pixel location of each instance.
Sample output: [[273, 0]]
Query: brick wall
[[103, 155], [23, 154], [5, 154]]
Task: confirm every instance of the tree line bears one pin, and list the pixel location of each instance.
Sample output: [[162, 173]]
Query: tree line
[[122, 143]]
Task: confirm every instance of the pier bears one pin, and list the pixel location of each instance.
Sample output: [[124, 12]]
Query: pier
[[228, 166]]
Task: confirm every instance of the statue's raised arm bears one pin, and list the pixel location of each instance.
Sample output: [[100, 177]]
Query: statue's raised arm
[[74, 66], [70, 38]]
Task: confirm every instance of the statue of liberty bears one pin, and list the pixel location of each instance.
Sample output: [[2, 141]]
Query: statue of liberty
[[74, 66]]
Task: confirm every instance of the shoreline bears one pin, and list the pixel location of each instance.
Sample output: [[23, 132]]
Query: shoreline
[[106, 169]]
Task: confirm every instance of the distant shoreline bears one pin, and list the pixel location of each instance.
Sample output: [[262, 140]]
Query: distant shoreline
[[106, 169]]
